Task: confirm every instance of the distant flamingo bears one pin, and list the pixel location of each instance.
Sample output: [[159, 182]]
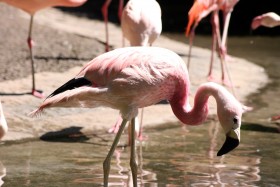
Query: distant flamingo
[[201, 9], [3, 123], [130, 78], [141, 22], [269, 19], [141, 25], [104, 11], [31, 7]]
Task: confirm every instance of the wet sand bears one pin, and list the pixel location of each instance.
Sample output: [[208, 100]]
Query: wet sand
[[248, 77]]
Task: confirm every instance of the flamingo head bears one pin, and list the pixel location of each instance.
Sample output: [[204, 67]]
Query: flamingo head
[[230, 114]]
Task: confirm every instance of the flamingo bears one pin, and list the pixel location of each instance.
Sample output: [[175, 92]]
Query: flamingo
[[104, 11], [3, 123], [141, 22], [199, 10], [141, 25], [31, 7], [130, 78], [270, 20]]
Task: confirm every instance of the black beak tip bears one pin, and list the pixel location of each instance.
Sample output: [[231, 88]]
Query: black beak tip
[[228, 146]]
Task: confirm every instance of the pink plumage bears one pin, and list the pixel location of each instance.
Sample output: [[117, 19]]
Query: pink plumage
[[141, 22], [269, 19]]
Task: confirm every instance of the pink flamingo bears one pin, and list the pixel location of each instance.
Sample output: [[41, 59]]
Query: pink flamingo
[[31, 7], [3, 123], [141, 25], [141, 22], [269, 19], [104, 11], [130, 78], [199, 10]]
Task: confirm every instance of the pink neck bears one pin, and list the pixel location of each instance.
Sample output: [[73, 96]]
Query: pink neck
[[184, 112]]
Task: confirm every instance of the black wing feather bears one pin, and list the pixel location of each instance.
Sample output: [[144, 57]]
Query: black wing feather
[[70, 85]]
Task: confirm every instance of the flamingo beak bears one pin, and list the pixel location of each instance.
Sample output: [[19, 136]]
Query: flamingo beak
[[232, 141]]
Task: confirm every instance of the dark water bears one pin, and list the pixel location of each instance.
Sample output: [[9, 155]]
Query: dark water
[[172, 155]]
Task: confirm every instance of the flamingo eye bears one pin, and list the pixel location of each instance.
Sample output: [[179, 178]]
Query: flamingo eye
[[235, 121]]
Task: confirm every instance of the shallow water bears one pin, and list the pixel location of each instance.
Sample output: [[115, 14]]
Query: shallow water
[[171, 155]]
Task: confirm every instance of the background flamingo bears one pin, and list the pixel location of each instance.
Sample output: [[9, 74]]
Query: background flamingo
[[141, 22], [130, 78], [104, 11], [31, 7], [3, 123], [201, 9], [269, 19], [141, 25]]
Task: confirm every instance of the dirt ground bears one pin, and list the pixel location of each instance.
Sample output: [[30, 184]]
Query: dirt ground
[[63, 43]]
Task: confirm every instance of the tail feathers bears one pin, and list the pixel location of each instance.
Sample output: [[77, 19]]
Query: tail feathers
[[197, 8], [36, 112], [70, 85]]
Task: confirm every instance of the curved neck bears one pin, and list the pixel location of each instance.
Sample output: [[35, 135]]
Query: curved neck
[[198, 114]]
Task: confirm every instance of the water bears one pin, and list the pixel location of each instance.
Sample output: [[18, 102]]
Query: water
[[172, 155]]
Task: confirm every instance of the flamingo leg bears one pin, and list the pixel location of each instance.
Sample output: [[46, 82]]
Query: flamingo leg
[[133, 163], [140, 134], [36, 93], [116, 127], [223, 49], [214, 44], [107, 161], [225, 33], [104, 11], [120, 10], [120, 18], [190, 46]]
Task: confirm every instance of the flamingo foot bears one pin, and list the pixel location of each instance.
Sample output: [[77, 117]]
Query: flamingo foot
[[226, 83], [116, 127], [38, 93], [210, 78], [274, 118], [141, 138]]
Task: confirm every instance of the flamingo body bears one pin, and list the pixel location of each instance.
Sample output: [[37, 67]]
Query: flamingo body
[[269, 19], [135, 77], [32, 6], [3, 123], [141, 22]]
